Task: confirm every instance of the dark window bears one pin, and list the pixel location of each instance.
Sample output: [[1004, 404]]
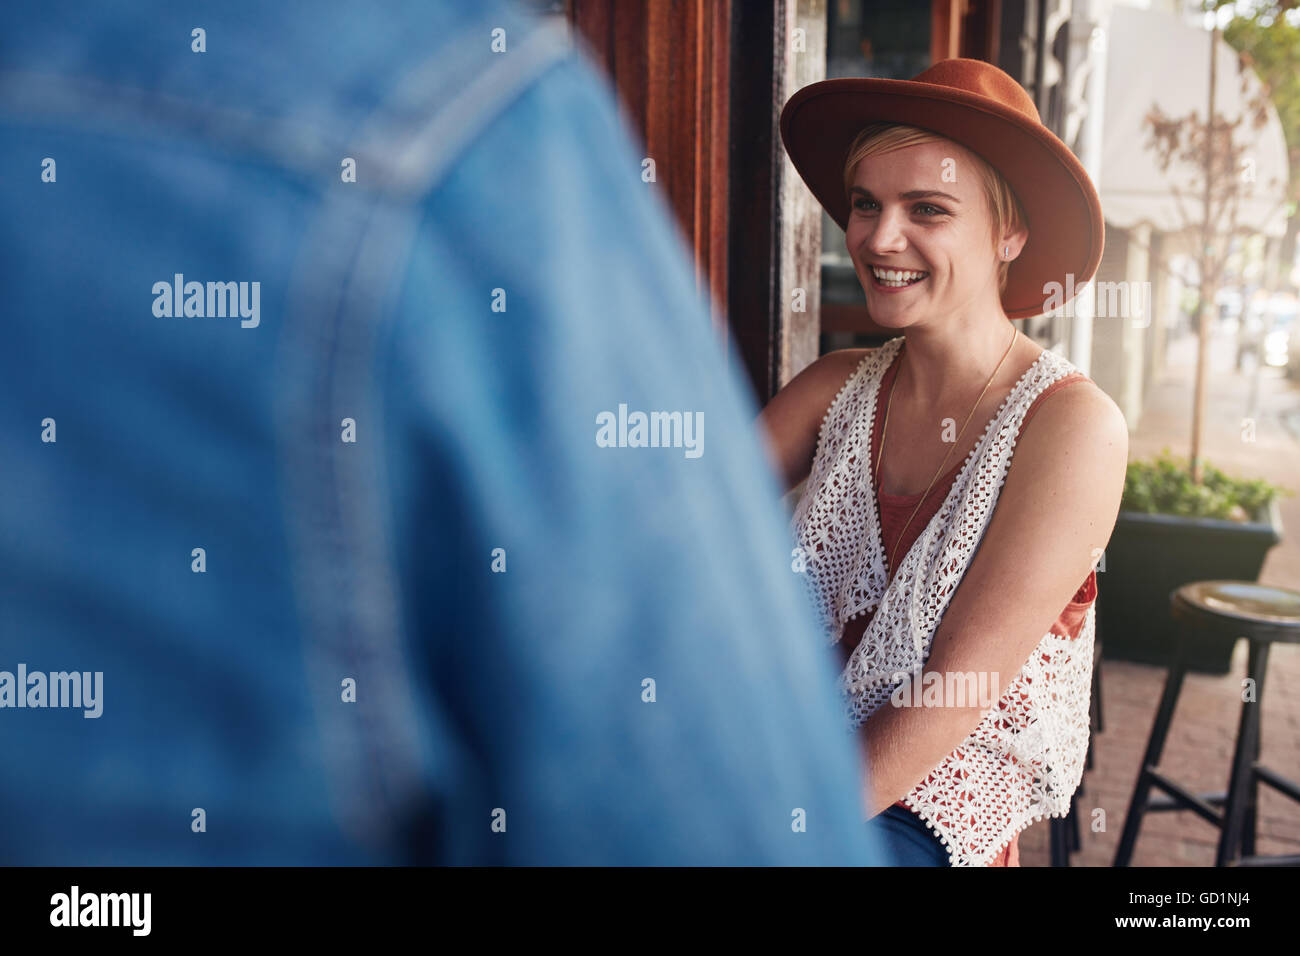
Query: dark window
[[888, 39]]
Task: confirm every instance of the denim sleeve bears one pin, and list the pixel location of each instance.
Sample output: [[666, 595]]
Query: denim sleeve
[[611, 639]]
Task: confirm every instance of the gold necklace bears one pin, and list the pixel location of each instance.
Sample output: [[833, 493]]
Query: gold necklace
[[1015, 332]]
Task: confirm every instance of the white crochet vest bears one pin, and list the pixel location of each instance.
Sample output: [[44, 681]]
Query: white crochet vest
[[1025, 758]]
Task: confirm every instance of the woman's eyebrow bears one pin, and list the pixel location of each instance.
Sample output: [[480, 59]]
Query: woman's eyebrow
[[913, 194]]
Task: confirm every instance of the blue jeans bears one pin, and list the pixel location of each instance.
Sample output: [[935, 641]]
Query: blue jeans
[[908, 839]]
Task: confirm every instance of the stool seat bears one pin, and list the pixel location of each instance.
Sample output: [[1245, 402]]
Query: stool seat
[[1233, 609]]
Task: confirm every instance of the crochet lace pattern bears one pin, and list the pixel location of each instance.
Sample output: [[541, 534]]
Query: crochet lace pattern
[[1025, 758]]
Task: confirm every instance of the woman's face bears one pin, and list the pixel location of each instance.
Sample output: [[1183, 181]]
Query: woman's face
[[922, 209]]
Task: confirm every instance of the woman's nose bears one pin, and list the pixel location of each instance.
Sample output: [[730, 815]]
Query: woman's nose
[[887, 236]]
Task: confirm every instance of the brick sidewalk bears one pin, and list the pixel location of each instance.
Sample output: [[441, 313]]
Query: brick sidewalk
[[1199, 747]]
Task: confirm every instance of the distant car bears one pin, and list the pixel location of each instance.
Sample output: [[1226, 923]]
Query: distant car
[[1268, 329], [1282, 342], [1276, 347]]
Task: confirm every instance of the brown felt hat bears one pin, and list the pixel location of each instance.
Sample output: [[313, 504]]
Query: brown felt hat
[[977, 105]]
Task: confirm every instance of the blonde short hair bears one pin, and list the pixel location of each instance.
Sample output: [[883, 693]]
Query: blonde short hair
[[1004, 207]]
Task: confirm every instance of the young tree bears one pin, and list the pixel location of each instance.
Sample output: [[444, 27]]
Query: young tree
[[1225, 175]]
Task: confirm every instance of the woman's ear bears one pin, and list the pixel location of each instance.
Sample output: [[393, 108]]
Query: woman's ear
[[1011, 243]]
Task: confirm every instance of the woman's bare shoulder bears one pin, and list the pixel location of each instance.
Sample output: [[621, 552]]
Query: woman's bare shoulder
[[828, 374], [1082, 401], [1077, 418], [794, 416]]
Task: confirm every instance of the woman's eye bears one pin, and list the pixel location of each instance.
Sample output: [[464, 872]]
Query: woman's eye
[[926, 209]]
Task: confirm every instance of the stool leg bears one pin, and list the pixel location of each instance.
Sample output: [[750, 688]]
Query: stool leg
[[1243, 783], [1251, 821], [1074, 823], [1060, 850], [1252, 793], [1155, 745]]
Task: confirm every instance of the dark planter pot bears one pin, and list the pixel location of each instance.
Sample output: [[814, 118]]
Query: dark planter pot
[[1149, 555]]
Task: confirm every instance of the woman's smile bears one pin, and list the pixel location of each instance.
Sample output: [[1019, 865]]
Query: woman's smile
[[895, 280]]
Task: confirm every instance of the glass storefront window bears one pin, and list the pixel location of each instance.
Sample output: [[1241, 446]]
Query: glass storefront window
[[887, 39]]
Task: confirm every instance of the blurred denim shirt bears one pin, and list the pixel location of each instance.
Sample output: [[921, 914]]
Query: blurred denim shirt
[[362, 583]]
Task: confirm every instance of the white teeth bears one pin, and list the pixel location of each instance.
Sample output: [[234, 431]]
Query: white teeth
[[897, 278], [898, 275]]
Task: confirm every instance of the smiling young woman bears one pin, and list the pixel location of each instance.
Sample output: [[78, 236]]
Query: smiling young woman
[[942, 535]]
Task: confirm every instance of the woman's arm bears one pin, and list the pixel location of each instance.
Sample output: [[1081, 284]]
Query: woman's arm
[[792, 419], [1055, 513]]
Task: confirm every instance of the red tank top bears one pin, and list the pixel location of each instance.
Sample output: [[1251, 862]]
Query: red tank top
[[894, 511]]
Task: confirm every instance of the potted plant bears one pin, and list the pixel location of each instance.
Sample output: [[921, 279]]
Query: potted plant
[[1171, 531]]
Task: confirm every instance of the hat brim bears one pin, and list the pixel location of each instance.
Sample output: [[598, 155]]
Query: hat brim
[[1066, 228]]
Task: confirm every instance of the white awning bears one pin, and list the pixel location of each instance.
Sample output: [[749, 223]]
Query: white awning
[[1155, 58]]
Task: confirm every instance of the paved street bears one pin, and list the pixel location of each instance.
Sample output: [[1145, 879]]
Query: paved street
[[1200, 742]]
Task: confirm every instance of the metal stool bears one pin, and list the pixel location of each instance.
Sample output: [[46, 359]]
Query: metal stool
[[1227, 609]]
